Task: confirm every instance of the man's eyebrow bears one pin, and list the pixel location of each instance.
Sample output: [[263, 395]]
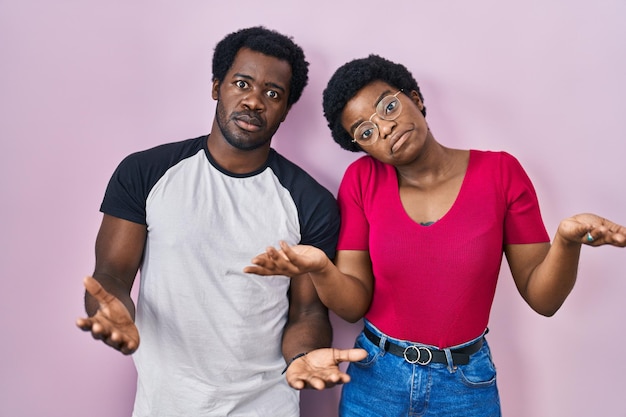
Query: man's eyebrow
[[380, 97], [276, 86], [240, 75], [268, 84]]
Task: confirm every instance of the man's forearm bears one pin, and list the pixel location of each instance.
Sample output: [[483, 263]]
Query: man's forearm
[[114, 288], [309, 333]]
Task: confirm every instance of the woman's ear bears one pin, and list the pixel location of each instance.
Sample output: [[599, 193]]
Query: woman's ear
[[415, 97]]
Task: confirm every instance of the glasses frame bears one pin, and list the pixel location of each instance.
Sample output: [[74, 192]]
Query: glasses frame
[[380, 113]]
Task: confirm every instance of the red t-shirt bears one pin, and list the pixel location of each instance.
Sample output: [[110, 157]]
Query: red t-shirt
[[435, 284]]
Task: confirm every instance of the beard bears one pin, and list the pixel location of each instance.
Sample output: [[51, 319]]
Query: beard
[[236, 137]]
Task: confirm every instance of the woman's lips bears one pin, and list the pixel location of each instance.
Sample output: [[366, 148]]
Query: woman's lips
[[397, 143]]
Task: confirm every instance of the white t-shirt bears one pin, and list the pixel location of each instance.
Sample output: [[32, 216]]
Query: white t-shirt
[[210, 334]]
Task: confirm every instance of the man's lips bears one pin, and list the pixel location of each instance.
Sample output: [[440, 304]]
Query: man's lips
[[248, 121]]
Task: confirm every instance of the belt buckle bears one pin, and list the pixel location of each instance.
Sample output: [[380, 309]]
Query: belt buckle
[[418, 350]]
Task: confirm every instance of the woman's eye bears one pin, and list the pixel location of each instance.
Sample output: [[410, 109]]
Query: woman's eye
[[366, 134], [391, 107]]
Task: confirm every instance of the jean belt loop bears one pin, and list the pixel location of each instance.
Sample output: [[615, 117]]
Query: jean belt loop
[[383, 342], [451, 367]]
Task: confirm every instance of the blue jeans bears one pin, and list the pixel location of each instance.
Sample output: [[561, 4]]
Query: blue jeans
[[386, 385]]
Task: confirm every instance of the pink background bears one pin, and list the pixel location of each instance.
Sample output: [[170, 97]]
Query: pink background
[[83, 83]]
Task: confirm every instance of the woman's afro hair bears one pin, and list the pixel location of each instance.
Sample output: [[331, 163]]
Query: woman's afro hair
[[349, 79]]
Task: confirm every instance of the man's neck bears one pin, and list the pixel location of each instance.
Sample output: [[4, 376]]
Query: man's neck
[[236, 160]]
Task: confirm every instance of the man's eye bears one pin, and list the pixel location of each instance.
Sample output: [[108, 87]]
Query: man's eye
[[272, 94], [241, 84]]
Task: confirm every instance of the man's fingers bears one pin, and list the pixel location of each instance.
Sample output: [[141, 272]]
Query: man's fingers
[[317, 383], [94, 288], [128, 350], [344, 379], [98, 331], [108, 335], [121, 343], [311, 381], [297, 384], [321, 370], [114, 339], [349, 355], [84, 323]]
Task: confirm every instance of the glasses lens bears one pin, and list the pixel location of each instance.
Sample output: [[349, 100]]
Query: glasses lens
[[366, 133], [389, 108]]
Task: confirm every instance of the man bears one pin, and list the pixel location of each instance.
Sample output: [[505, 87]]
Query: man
[[191, 215]]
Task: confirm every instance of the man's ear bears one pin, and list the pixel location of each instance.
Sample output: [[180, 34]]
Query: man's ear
[[415, 97], [286, 113], [215, 90]]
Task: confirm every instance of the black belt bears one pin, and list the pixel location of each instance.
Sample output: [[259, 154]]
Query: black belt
[[423, 355]]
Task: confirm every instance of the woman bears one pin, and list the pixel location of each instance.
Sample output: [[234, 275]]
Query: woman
[[424, 228]]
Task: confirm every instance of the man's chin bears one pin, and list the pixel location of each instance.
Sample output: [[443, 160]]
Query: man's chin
[[246, 145]]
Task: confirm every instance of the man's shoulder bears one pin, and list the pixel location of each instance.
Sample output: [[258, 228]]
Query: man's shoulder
[[170, 149], [160, 158], [286, 169]]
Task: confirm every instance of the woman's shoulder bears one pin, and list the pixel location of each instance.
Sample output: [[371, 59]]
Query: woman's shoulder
[[487, 153], [490, 157], [368, 163]]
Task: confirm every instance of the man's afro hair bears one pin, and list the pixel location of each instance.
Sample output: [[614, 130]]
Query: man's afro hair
[[268, 42]]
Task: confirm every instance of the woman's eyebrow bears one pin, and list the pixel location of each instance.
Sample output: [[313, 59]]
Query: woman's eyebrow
[[380, 97]]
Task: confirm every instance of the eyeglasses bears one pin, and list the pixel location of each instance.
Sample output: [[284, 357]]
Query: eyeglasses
[[389, 108]]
